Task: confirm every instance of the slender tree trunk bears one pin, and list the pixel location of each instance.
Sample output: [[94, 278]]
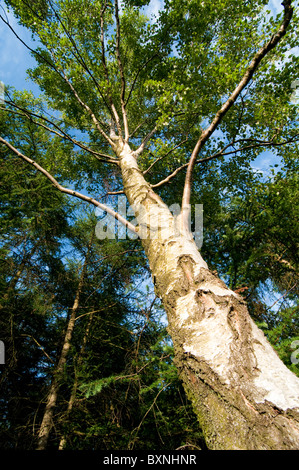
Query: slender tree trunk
[[72, 399], [47, 421], [242, 393]]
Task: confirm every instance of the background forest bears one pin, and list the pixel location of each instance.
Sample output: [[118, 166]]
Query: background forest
[[116, 385]]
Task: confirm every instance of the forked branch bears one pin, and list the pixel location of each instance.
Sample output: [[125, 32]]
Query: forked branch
[[64, 77], [77, 54]]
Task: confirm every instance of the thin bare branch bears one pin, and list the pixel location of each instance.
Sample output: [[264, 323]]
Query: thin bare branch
[[137, 75], [36, 53], [136, 430], [71, 192], [90, 112], [104, 63], [105, 67], [114, 193], [63, 76], [282, 296], [222, 153], [143, 66], [78, 56], [260, 143], [144, 142], [40, 346], [169, 177]]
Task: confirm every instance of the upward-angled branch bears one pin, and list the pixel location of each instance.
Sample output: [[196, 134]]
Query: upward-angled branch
[[145, 64], [89, 111], [71, 192], [64, 77], [140, 149], [104, 64], [122, 76], [263, 51], [222, 153], [164, 156]]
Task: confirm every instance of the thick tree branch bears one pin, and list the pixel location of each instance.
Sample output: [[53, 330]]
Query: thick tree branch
[[71, 192], [288, 12]]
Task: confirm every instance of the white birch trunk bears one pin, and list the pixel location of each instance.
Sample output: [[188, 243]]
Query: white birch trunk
[[243, 394]]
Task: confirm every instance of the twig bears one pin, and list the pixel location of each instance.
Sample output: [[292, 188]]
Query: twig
[[164, 156], [63, 77], [104, 63], [144, 142], [40, 346], [153, 404], [78, 55], [221, 153], [293, 287]]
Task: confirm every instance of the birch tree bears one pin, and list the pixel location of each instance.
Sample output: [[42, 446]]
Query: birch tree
[[149, 105]]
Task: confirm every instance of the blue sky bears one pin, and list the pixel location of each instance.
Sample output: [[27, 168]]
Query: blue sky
[[15, 59]]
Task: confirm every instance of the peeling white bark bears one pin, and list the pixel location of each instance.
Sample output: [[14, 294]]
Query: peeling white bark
[[275, 382], [202, 336], [210, 339]]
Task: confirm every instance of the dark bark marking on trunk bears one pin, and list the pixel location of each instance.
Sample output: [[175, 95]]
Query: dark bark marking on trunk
[[260, 426]]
